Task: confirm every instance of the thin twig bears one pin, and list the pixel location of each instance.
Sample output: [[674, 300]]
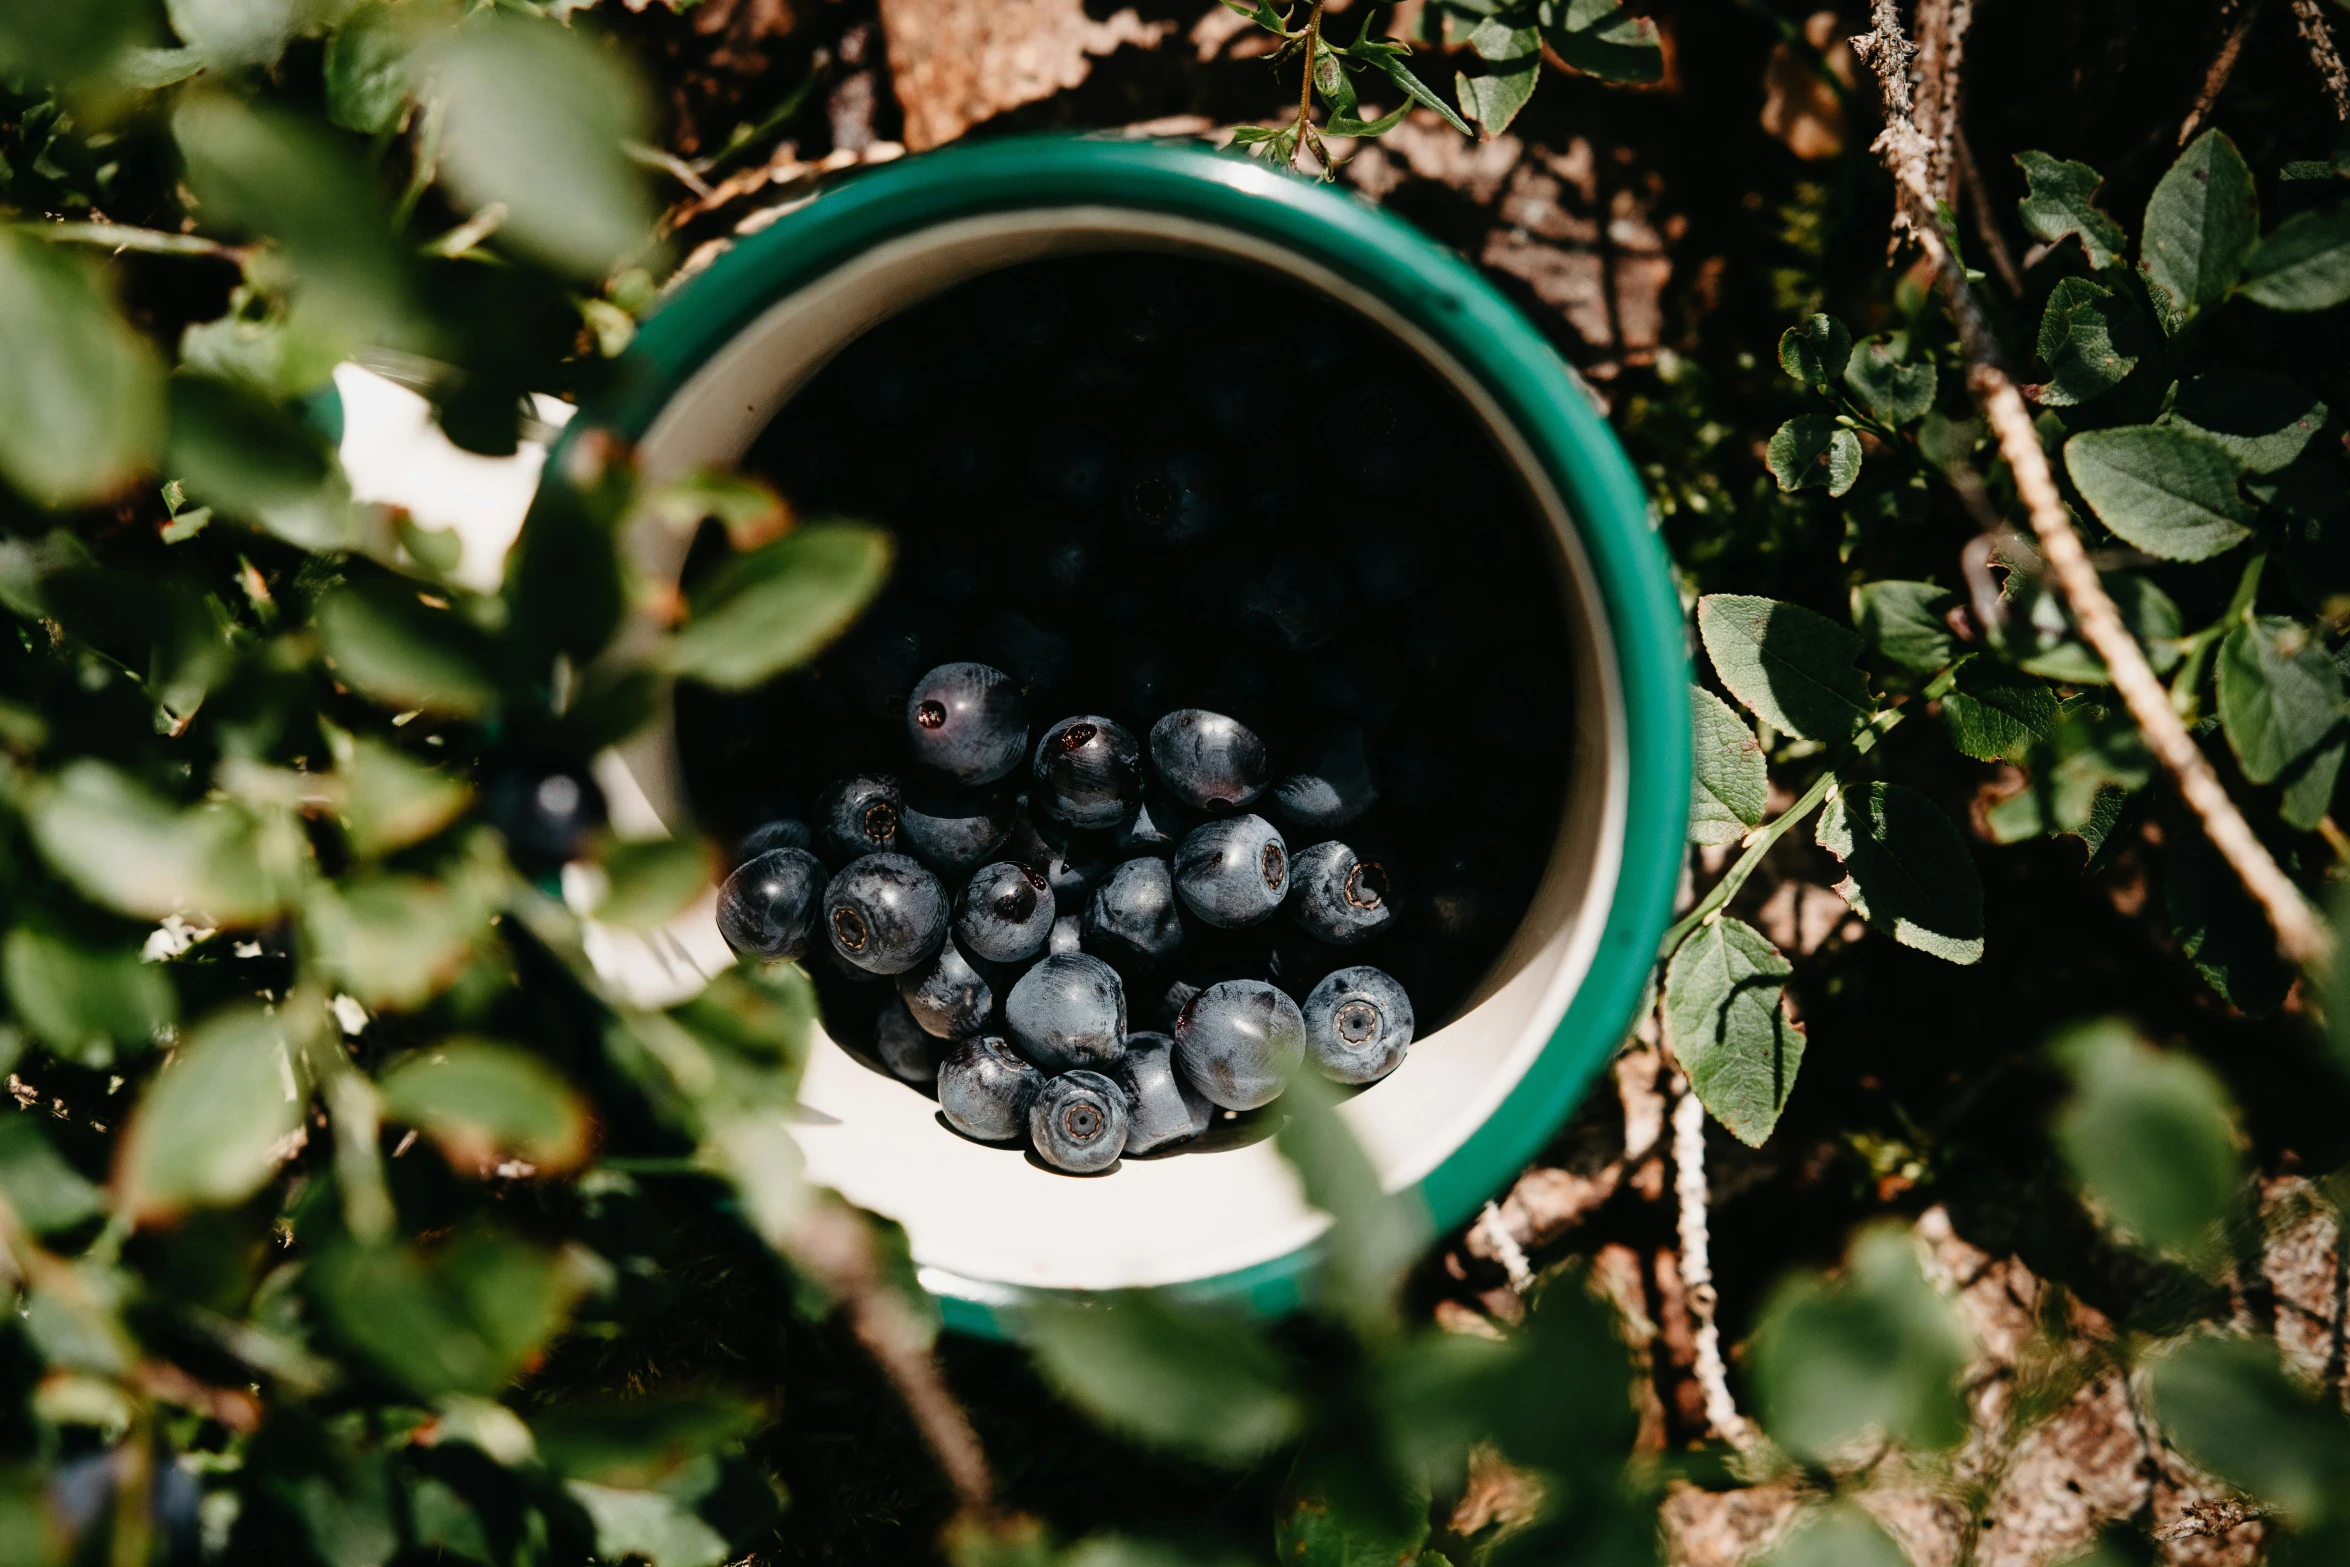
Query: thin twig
[[2223, 64], [2311, 24], [1697, 1275], [1305, 87], [2301, 934], [122, 236], [1505, 1249], [1978, 197], [1942, 26]]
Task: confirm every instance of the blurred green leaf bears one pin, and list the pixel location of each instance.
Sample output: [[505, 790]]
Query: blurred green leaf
[[1600, 38], [660, 1529], [1815, 351], [1722, 1015], [386, 644], [1872, 1351], [771, 610], [2170, 493], [2232, 1408], [641, 1443], [233, 34], [2304, 265], [135, 852], [2280, 694], [1894, 387], [459, 1319], [369, 82], [81, 396], [1814, 450], [1906, 869], [389, 800], [393, 941], [2265, 420], [1994, 713], [1728, 785], [1840, 1534], [43, 1191], [2201, 225], [84, 1002], [1566, 1407], [28, 1535], [536, 120], [652, 881], [254, 460], [218, 1119], [483, 1101], [2057, 203], [1310, 1531], [1790, 667], [63, 44], [1187, 1379], [2091, 338], [1374, 1234], [2149, 1137], [1435, 1395]]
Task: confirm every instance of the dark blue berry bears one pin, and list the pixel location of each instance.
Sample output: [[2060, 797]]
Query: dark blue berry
[[908, 1052], [1233, 872], [546, 817], [1172, 501], [1334, 791], [1088, 772], [1075, 464], [984, 1090], [767, 908], [1238, 1041], [954, 830], [787, 832], [1162, 1109], [885, 913], [946, 995], [1131, 919], [1067, 1012], [967, 721], [1358, 1025], [860, 815], [1212, 763], [1078, 1122], [1340, 896], [1005, 914]]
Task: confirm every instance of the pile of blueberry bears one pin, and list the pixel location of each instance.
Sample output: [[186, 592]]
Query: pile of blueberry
[[1011, 960]]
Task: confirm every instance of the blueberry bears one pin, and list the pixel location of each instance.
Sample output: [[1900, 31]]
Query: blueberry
[[1069, 1011], [787, 832], [984, 1090], [1162, 1109], [967, 721], [1075, 465], [1331, 793], [1211, 762], [1172, 501], [1156, 826], [547, 817], [904, 1048], [946, 995], [1088, 772], [954, 830], [1131, 917], [766, 907], [1233, 872], [1005, 914], [1078, 1122], [1173, 1000], [1238, 1041], [860, 815], [1068, 936], [1358, 1025], [885, 914], [1070, 863], [1340, 896]]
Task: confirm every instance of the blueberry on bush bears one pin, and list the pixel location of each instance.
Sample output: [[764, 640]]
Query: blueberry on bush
[[766, 907], [1233, 872], [859, 815], [1162, 1108], [1211, 762], [1078, 1122], [946, 995], [1088, 772], [1341, 897], [984, 1090], [967, 721], [1238, 1041], [1067, 1012], [1358, 1025], [1005, 914], [546, 818], [953, 830], [884, 913], [909, 1053], [1131, 917]]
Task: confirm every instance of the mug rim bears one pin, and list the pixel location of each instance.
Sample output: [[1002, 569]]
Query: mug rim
[[1430, 287]]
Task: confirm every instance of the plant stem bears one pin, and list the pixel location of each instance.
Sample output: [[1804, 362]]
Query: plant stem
[[2189, 680], [1305, 87], [122, 236]]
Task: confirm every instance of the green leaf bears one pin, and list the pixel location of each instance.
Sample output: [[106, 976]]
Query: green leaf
[[2170, 493], [650, 1525], [395, 942], [1839, 1534], [1374, 1234], [1728, 786], [2219, 928], [368, 80], [651, 881], [2265, 420], [2309, 785], [1905, 625], [2149, 1137], [134, 852], [2149, 613], [2201, 226], [2233, 1409], [639, 1444], [1309, 1531], [1493, 98], [1567, 1405], [2091, 338], [2280, 694], [1816, 351], [234, 34], [1994, 712], [1791, 667], [61, 44], [2057, 203], [2304, 265], [777, 607], [1892, 387], [1599, 38], [83, 1002], [1185, 1379], [256, 461], [1723, 1018], [386, 644], [1813, 449], [483, 1101], [44, 1193], [1871, 1352], [1387, 58], [1906, 869], [462, 1318], [217, 1120], [81, 396], [391, 801], [536, 121]]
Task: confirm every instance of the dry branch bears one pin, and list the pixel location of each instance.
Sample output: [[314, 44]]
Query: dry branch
[[2223, 64], [2311, 24], [1697, 1277]]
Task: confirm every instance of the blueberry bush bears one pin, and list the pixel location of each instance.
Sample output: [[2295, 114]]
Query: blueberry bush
[[348, 1216]]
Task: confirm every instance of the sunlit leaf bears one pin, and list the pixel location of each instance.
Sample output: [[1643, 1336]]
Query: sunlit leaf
[[1894, 387], [1905, 625], [2168, 492], [1815, 351], [768, 611], [128, 848], [1906, 869], [458, 1319], [2265, 420], [482, 1101], [216, 1122], [44, 1192], [2057, 204], [1993, 713], [392, 647], [81, 395], [2304, 265], [2280, 694], [1728, 785], [394, 942], [2201, 226], [1840, 1534], [85, 1002], [1813, 450], [2148, 1135], [1790, 666], [2091, 338], [1723, 1018]]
